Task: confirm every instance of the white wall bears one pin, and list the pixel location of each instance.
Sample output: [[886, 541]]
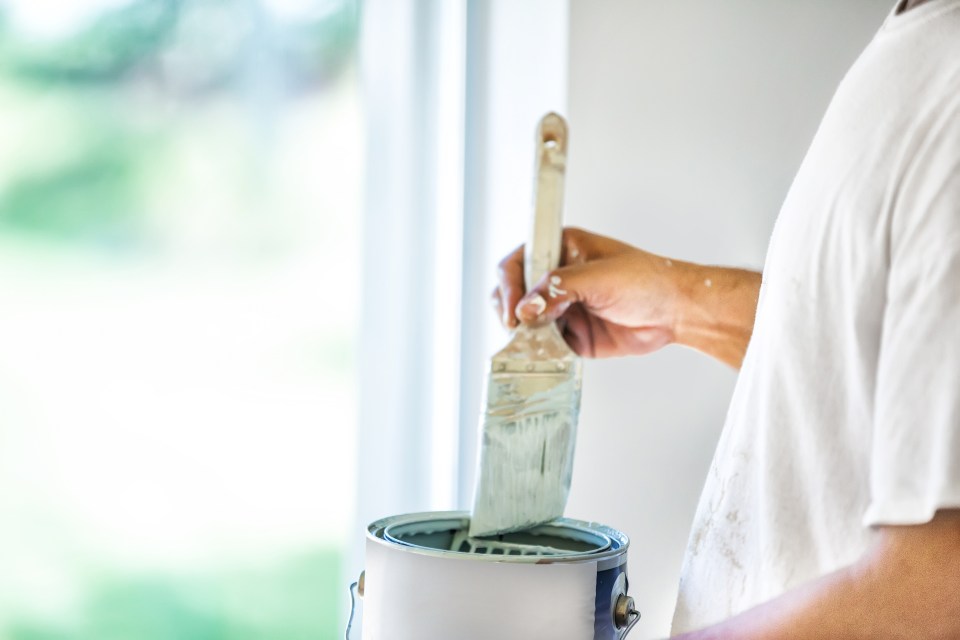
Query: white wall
[[688, 119]]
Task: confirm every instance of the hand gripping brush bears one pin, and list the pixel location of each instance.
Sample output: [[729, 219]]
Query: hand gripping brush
[[533, 390]]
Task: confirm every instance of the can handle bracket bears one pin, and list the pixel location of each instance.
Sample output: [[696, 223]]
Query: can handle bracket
[[625, 614], [357, 587]]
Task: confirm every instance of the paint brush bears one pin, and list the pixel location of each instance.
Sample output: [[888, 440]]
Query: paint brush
[[529, 426]]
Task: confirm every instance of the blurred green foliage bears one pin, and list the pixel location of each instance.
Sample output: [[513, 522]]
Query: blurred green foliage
[[187, 54], [112, 45], [136, 37], [298, 600], [316, 50], [92, 199]]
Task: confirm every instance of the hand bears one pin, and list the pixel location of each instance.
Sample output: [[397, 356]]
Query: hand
[[612, 299], [609, 298]]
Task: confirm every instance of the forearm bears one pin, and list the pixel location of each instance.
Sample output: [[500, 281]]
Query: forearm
[[715, 310], [833, 607], [905, 588]]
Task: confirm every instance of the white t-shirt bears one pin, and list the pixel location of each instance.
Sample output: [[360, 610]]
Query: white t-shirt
[[846, 414]]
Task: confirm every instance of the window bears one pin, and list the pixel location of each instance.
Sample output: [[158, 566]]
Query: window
[[179, 257]]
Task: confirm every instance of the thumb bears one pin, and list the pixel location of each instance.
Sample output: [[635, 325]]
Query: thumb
[[553, 294]]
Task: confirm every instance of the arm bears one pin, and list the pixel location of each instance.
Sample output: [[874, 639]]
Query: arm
[[716, 311], [612, 299], [907, 587]]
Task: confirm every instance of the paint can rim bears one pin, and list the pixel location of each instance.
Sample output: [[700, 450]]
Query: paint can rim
[[614, 547]]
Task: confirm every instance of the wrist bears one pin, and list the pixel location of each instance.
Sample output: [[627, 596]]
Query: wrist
[[714, 310], [691, 320]]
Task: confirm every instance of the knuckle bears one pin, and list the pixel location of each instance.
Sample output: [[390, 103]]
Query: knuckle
[[508, 275], [511, 261], [507, 263]]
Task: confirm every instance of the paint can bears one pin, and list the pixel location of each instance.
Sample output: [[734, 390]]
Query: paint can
[[426, 579]]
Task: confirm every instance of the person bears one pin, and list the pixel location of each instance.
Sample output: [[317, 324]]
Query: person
[[832, 506]]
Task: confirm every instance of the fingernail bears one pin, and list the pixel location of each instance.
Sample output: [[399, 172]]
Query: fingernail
[[506, 318], [531, 307]]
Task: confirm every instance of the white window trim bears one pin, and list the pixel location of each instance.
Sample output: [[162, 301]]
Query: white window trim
[[452, 91]]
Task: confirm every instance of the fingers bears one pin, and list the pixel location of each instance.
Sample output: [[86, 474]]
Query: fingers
[[577, 330], [578, 247], [553, 295], [574, 247], [575, 250], [510, 288], [497, 302]]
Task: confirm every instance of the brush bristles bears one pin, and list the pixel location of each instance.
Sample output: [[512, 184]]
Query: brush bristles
[[526, 464]]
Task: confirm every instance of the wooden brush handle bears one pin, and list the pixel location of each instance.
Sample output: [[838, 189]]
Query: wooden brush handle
[[542, 252]]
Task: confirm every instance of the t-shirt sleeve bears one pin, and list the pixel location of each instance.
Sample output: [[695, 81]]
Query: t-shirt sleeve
[[915, 453]]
